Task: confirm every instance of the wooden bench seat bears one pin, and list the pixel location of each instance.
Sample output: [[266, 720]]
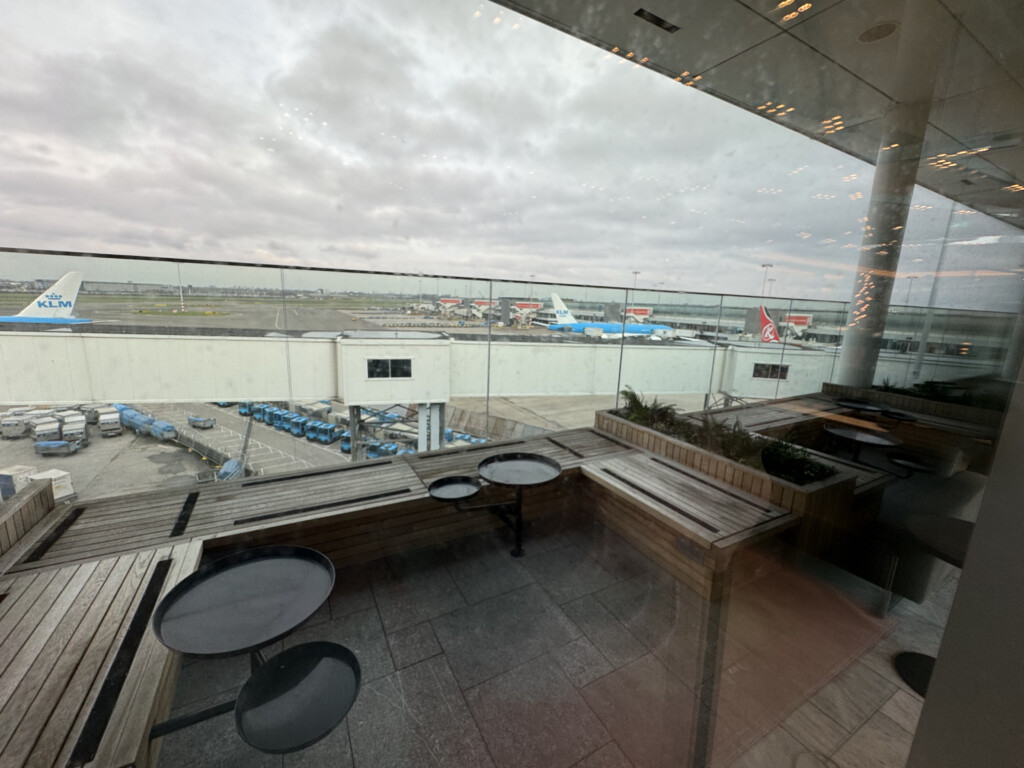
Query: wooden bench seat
[[687, 522], [23, 518], [82, 678]]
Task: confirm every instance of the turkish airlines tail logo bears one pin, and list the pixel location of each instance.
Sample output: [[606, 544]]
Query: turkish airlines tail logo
[[768, 332]]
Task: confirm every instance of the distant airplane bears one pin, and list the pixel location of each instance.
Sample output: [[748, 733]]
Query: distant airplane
[[54, 305], [768, 330], [564, 321]]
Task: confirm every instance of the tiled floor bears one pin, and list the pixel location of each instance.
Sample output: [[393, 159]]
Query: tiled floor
[[585, 654]]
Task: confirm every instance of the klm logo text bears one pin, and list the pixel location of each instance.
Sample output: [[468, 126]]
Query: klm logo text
[[53, 302]]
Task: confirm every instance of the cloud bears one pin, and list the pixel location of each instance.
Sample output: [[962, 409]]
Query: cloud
[[414, 136]]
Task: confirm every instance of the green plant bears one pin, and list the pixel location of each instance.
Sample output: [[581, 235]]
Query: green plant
[[791, 462], [660, 416], [782, 459]]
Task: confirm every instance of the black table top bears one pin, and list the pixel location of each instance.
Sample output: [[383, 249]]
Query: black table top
[[297, 697], [454, 488], [945, 537], [244, 601], [859, 405], [519, 469], [861, 436]]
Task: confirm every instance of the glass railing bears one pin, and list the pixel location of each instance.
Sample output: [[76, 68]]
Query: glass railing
[[177, 338]]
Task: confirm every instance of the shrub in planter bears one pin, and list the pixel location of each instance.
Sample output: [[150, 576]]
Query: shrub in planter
[[785, 461], [791, 462]]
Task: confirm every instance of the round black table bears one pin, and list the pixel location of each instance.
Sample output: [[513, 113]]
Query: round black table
[[517, 470], [244, 601], [454, 488], [861, 437], [241, 603], [297, 697], [912, 464], [948, 539], [859, 405]]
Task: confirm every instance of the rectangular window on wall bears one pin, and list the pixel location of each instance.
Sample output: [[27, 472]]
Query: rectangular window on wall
[[770, 371], [389, 369]]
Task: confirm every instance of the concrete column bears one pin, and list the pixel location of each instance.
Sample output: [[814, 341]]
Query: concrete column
[[891, 193], [925, 35], [431, 426], [355, 414]]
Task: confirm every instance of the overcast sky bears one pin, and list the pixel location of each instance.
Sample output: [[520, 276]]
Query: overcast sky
[[435, 136]]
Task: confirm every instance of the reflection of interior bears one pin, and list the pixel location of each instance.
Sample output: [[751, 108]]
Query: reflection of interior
[[837, 72], [931, 94]]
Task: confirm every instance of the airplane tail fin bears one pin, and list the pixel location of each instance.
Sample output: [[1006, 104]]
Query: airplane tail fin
[[56, 301], [768, 331], [562, 313]]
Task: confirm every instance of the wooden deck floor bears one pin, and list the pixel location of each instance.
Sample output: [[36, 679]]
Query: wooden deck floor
[[65, 634]]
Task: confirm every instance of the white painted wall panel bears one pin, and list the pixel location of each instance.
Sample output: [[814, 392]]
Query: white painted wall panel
[[431, 371], [54, 368]]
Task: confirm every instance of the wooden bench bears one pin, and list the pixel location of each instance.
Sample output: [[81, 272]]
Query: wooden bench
[[21, 517], [82, 677], [688, 523]]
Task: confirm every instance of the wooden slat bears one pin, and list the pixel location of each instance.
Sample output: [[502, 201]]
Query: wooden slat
[[62, 659], [149, 689]]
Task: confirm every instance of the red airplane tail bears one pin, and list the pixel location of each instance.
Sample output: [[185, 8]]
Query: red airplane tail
[[768, 332]]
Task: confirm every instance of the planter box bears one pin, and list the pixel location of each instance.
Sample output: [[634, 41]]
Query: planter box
[[966, 413], [826, 506]]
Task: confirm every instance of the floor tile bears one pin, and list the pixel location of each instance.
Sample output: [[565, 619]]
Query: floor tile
[[491, 637], [648, 712], [333, 750], [567, 573], [776, 750], [352, 592], [206, 678], [581, 661], [815, 730], [413, 644], [533, 717], [421, 593], [361, 633], [476, 554], [879, 743], [853, 696], [904, 709], [211, 742], [415, 717], [608, 756], [605, 631], [492, 582]]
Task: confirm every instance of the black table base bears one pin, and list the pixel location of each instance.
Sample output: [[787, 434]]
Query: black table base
[[509, 512]]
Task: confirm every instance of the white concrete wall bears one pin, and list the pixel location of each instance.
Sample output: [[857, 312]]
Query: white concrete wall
[[73, 368], [54, 368], [431, 371], [807, 369]]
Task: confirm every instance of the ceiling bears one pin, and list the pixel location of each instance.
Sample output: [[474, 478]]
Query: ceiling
[[828, 69]]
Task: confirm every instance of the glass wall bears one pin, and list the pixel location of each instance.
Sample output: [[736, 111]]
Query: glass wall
[[191, 334]]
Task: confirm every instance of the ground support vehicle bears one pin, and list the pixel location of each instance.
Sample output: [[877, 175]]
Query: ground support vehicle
[[109, 422], [56, 447]]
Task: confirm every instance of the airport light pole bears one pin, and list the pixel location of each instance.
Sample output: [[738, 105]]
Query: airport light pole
[[764, 282], [771, 285], [910, 286]]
